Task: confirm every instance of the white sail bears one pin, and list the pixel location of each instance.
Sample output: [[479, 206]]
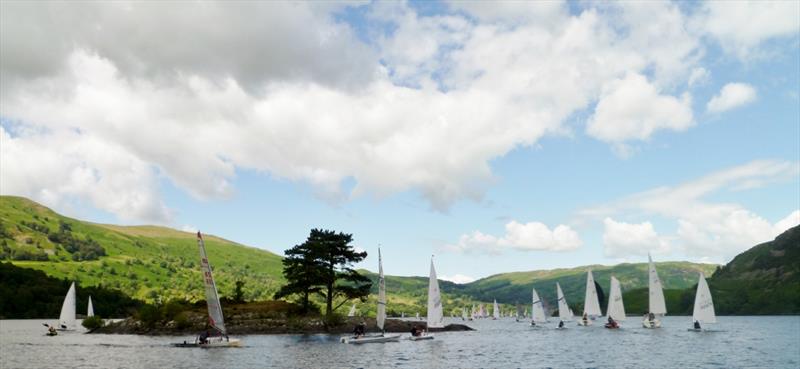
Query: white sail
[[381, 315], [616, 309], [212, 298], [352, 311], [90, 309], [435, 316], [66, 319], [657, 305], [564, 312], [591, 305], [703, 304], [537, 309], [495, 310]]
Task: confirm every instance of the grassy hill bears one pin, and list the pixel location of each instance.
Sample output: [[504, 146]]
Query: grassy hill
[[146, 262]]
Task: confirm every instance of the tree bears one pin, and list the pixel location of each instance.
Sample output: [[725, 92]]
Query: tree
[[323, 265]]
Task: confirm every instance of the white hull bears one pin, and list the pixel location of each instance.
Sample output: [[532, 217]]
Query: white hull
[[584, 323], [421, 338], [233, 342], [370, 339], [651, 324]]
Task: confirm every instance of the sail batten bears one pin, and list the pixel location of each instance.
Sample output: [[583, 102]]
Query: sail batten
[[435, 313], [703, 304], [657, 305], [212, 297]]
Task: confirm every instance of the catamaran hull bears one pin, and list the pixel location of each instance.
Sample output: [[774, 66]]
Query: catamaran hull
[[370, 339], [651, 324]]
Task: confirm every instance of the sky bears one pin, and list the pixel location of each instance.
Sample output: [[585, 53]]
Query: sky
[[497, 136]]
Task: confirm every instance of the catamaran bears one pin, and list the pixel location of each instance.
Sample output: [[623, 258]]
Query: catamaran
[[435, 316], [66, 320], [591, 305], [564, 312], [656, 305], [215, 319], [703, 312], [537, 310], [380, 317], [90, 309], [616, 309]]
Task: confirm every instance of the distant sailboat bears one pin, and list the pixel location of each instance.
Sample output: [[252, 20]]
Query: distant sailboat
[[616, 308], [66, 320], [90, 309], [703, 312], [380, 317], [495, 311], [352, 311], [591, 305], [464, 315], [657, 306], [564, 312], [537, 310], [435, 316]]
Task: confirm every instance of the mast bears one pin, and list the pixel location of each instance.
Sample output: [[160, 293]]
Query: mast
[[212, 297]]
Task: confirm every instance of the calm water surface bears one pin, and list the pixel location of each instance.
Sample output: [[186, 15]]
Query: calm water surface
[[741, 342]]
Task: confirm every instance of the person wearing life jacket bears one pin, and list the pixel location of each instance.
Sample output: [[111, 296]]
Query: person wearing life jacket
[[359, 329], [611, 323], [585, 319], [697, 324], [561, 324]]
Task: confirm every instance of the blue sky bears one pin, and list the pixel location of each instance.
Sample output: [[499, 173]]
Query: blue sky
[[501, 136]]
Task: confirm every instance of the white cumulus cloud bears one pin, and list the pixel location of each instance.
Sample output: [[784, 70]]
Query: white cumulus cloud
[[732, 95], [622, 239], [532, 236]]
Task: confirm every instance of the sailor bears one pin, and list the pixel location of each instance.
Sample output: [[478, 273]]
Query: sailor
[[585, 319], [561, 324], [359, 329], [611, 322], [52, 330], [204, 337], [533, 324], [697, 325]]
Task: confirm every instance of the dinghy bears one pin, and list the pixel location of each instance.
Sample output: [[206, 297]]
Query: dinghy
[[66, 320], [435, 316], [380, 317], [90, 309], [616, 309], [215, 319], [495, 311], [537, 310], [656, 306], [564, 312], [591, 305], [703, 312]]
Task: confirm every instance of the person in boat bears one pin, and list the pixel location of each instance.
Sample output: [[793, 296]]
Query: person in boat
[[561, 324], [533, 324], [416, 331], [697, 325], [585, 319], [52, 330], [611, 323], [204, 337], [651, 317], [359, 330]]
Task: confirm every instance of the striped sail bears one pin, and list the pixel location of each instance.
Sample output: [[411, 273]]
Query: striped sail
[[212, 298]]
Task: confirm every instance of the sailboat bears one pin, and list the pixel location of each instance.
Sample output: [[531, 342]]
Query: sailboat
[[495, 311], [537, 310], [66, 320], [657, 306], [519, 314], [90, 309], [591, 305], [435, 318], [380, 317], [215, 319], [616, 309], [464, 314], [564, 312], [352, 311], [703, 312]]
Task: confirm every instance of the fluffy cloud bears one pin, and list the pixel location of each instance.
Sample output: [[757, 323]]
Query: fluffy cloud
[[458, 278], [741, 26], [732, 95], [632, 109], [533, 236], [622, 239], [705, 229]]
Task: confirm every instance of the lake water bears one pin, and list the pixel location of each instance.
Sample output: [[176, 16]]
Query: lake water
[[741, 342]]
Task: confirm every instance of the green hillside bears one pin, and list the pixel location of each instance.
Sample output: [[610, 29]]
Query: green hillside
[[762, 280], [146, 262]]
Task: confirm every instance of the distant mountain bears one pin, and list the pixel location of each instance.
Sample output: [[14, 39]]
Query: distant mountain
[[762, 280], [145, 262]]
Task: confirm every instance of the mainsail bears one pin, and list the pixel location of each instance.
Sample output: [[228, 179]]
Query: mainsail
[[564, 312], [381, 315], [352, 311], [703, 305], [537, 310], [591, 306], [616, 309], [212, 298], [495, 310], [66, 319], [90, 309], [435, 316], [657, 305]]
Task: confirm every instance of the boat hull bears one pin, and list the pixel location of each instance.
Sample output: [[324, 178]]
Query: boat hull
[[233, 342], [421, 338], [370, 339], [651, 324]]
